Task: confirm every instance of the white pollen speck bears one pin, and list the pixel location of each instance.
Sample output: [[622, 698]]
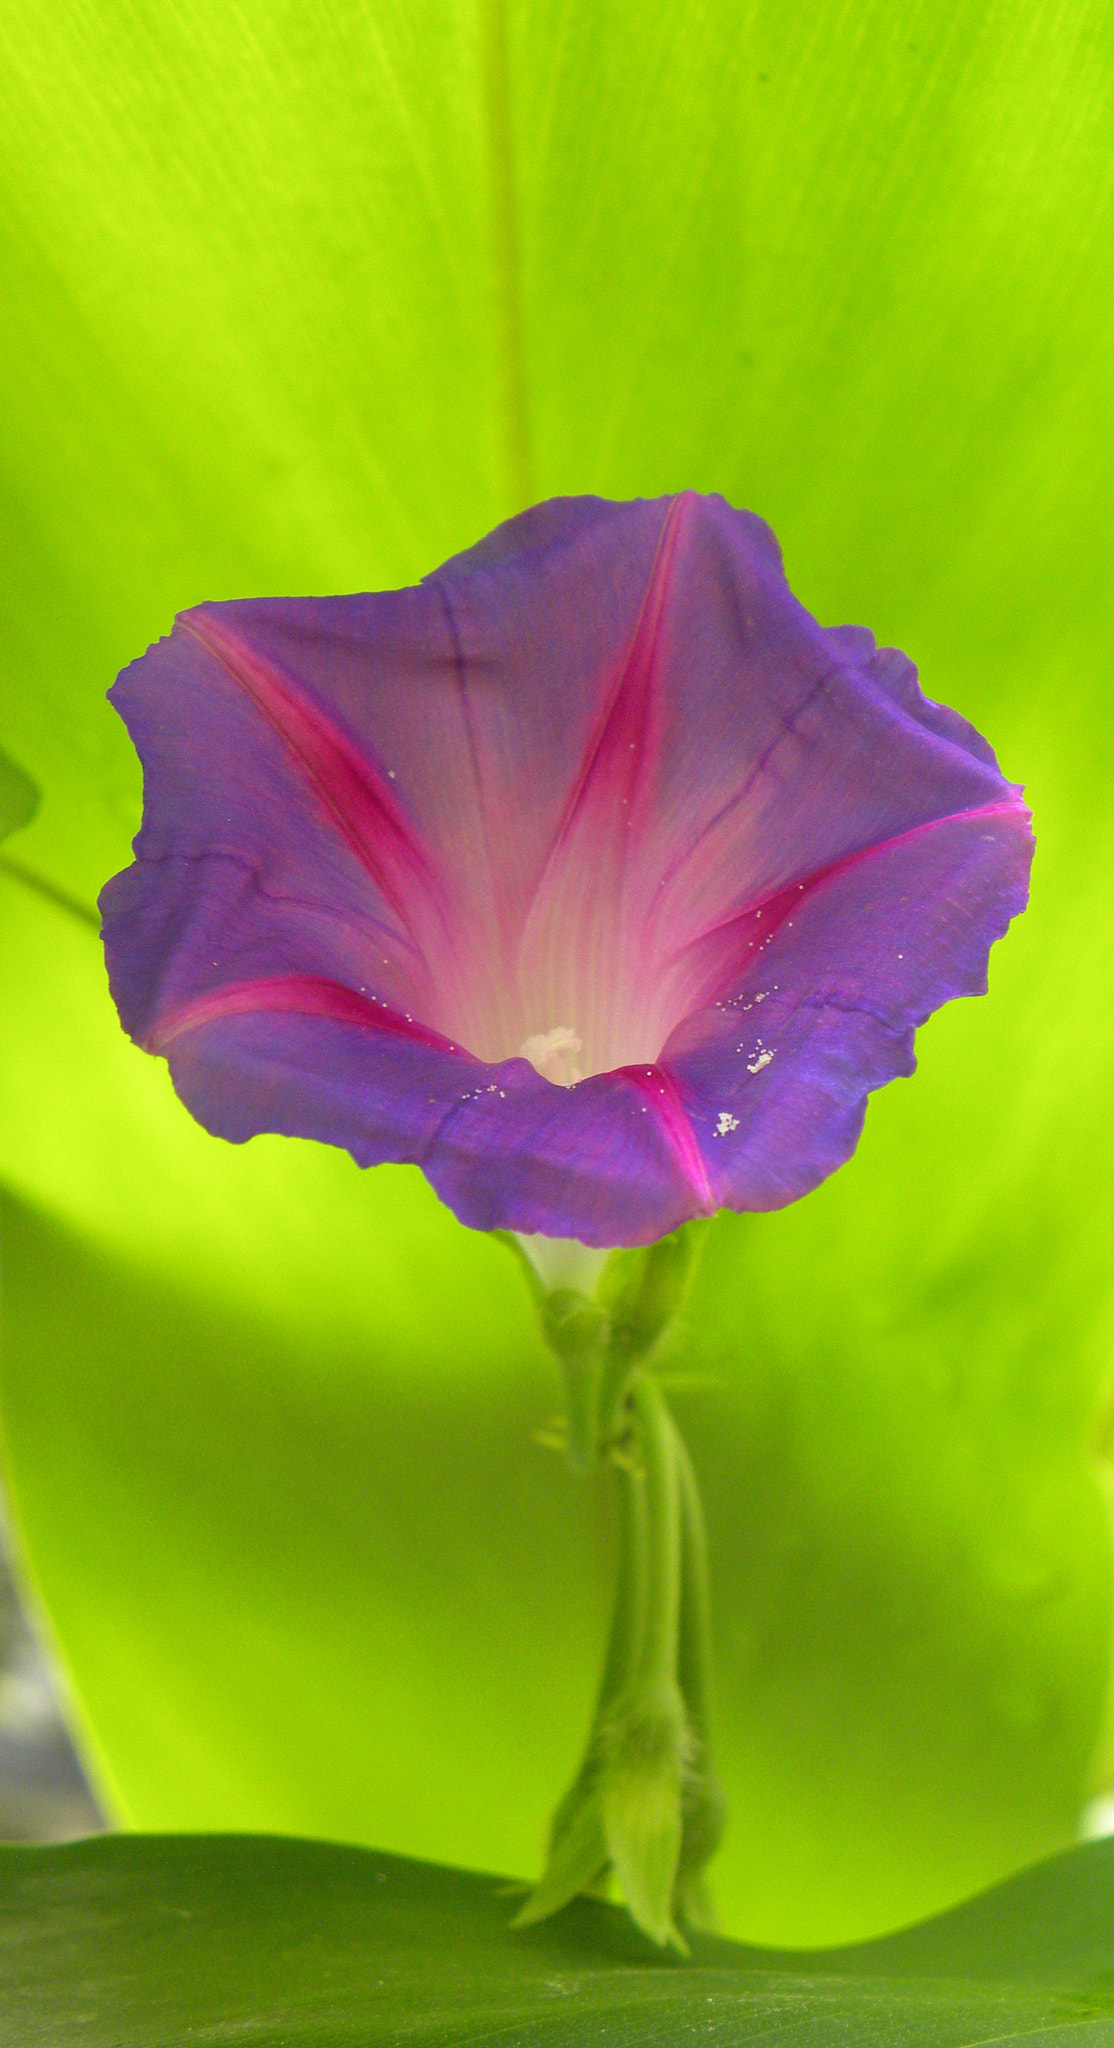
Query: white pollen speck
[[901, 956], [726, 1123], [390, 775], [762, 997], [760, 1060]]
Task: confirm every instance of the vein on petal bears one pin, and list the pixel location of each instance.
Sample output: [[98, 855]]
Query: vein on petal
[[303, 995], [460, 671], [681, 859], [779, 902], [370, 925], [629, 701], [633, 688], [663, 1096], [355, 796], [578, 895]]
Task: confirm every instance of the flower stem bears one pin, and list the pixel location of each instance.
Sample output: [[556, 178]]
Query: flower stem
[[704, 1806], [623, 1648], [628, 1614], [657, 1443], [644, 1805], [694, 1645]]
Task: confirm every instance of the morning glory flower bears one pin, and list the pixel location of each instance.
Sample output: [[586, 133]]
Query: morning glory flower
[[591, 874], [596, 878]]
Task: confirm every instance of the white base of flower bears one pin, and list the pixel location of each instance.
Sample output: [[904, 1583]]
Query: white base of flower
[[564, 1262]]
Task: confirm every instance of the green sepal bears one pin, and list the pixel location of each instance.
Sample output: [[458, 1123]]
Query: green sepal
[[641, 1793], [703, 1819], [643, 1289], [578, 1858], [637, 1809], [600, 1337]]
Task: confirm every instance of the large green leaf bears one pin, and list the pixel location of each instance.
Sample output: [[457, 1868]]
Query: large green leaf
[[149, 1942], [304, 298]]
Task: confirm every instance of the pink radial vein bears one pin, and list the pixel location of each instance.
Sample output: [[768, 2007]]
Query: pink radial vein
[[770, 911], [303, 995], [662, 1094], [355, 795]]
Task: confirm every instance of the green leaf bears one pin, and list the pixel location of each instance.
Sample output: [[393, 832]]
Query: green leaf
[[305, 298], [19, 796], [148, 1942]]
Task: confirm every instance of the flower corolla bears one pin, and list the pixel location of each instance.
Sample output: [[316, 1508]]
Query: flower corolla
[[591, 874]]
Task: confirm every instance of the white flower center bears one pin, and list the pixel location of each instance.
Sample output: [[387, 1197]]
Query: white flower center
[[555, 1054]]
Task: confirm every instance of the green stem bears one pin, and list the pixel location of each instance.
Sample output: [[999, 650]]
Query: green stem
[[645, 1810], [624, 1641], [655, 1672], [628, 1618], [703, 1805], [694, 1649]]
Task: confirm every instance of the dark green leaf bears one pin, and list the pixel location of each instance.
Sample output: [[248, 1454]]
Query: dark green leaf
[[153, 1942]]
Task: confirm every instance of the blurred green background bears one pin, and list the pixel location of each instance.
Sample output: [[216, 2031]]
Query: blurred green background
[[304, 298]]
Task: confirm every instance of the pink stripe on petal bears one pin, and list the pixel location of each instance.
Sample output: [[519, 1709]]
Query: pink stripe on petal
[[1013, 807], [718, 953], [304, 995], [580, 944], [664, 1097], [617, 751], [356, 796]]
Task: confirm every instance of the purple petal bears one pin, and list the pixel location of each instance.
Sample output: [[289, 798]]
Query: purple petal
[[736, 746], [601, 783], [255, 856], [296, 995], [776, 1074], [348, 787], [613, 1160]]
